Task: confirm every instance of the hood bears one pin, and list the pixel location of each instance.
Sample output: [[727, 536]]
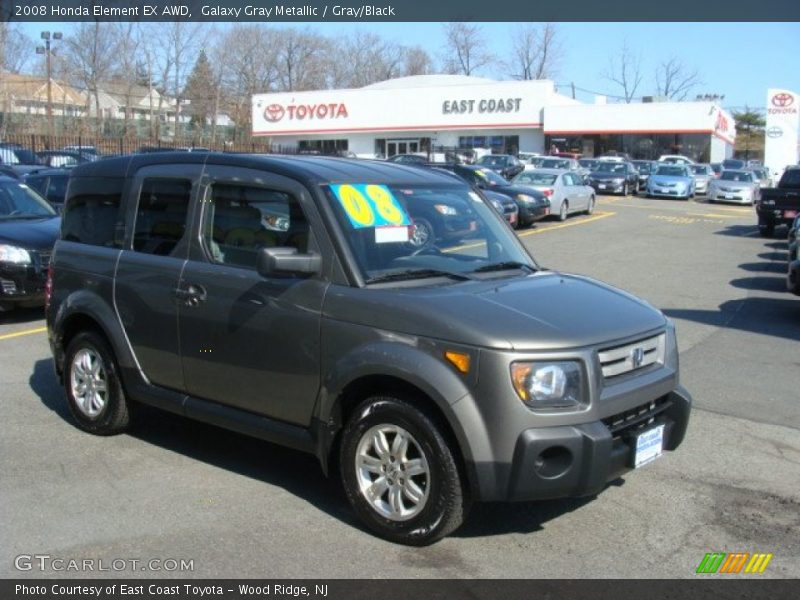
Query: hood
[[606, 176], [667, 179], [542, 311], [32, 234], [734, 185], [513, 190]]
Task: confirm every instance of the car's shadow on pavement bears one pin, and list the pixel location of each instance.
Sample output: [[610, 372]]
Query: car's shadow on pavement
[[21, 315], [298, 473]]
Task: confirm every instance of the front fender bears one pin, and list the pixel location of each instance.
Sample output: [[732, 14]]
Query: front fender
[[417, 364]]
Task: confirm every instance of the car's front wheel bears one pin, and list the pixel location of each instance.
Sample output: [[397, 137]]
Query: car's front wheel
[[400, 473], [590, 210], [93, 387]]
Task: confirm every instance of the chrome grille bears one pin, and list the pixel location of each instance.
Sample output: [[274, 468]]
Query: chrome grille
[[630, 357], [44, 259]]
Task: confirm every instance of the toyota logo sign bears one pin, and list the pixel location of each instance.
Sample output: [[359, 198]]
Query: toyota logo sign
[[274, 113], [774, 132], [782, 100]]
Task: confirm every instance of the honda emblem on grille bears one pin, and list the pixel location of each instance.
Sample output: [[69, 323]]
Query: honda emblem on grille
[[637, 356]]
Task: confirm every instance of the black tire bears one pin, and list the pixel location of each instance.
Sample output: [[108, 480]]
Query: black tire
[[793, 279], [114, 416], [590, 210], [447, 502], [766, 231], [563, 211]]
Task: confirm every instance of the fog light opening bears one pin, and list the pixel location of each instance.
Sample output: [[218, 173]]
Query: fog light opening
[[553, 462]]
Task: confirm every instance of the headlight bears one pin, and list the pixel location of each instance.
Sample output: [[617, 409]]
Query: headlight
[[444, 209], [14, 254], [548, 385], [497, 205], [525, 198]]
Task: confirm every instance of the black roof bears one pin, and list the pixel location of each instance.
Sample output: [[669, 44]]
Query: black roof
[[310, 169], [48, 172]]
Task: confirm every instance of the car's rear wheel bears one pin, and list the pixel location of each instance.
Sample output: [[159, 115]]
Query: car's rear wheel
[[94, 391], [563, 212], [400, 473], [793, 279], [766, 230]]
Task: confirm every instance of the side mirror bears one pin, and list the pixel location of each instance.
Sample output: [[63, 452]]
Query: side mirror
[[282, 261]]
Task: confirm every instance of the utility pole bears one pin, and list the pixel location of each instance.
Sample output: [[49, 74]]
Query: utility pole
[[47, 52]]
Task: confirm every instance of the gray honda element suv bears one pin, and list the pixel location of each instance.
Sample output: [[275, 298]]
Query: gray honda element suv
[[381, 317]]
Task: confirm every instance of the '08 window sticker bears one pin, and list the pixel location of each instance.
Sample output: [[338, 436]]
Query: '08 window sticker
[[371, 205]]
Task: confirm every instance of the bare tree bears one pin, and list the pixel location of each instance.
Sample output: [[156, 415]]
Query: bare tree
[[369, 59], [536, 50], [301, 55], [183, 44], [625, 70], [465, 49], [125, 67], [676, 81], [416, 61], [91, 51], [252, 69], [15, 48]]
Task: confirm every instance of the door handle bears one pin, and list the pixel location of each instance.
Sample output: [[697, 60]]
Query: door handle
[[191, 295]]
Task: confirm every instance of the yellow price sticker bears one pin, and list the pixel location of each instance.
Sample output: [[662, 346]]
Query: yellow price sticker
[[370, 205]]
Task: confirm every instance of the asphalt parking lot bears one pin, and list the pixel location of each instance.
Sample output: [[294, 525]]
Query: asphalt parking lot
[[237, 507]]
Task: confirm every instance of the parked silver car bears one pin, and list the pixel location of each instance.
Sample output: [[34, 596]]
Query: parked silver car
[[564, 189], [703, 174], [763, 176], [734, 186]]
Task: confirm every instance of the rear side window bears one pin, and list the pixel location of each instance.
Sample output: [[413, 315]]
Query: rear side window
[[161, 216], [92, 211]]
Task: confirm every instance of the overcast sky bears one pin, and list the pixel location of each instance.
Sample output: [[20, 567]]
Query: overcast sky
[[739, 60]]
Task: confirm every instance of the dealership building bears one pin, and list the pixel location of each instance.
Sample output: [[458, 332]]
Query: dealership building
[[430, 113]]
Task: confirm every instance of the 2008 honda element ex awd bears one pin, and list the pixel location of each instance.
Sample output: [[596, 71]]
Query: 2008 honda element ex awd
[[382, 317]]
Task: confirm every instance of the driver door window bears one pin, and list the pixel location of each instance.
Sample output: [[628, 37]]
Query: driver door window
[[240, 220]]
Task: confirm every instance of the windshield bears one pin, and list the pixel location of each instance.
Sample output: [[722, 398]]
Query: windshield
[[736, 176], [555, 163], [643, 167], [18, 201], [491, 177], [587, 163], [401, 233], [672, 171], [537, 161], [610, 167], [534, 178], [732, 164], [492, 161], [699, 169]]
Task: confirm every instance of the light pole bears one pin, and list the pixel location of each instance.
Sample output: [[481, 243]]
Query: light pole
[[47, 52]]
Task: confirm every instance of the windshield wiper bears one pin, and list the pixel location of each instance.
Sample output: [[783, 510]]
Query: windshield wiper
[[417, 274], [505, 266]]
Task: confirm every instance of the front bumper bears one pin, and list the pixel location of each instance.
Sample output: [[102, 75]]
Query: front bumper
[[528, 213], [605, 187], [737, 197], [579, 460], [668, 192], [22, 285]]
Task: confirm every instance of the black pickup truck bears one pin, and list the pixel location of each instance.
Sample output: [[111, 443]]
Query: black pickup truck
[[779, 205]]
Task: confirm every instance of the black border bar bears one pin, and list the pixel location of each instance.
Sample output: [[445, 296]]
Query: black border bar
[[289, 11]]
